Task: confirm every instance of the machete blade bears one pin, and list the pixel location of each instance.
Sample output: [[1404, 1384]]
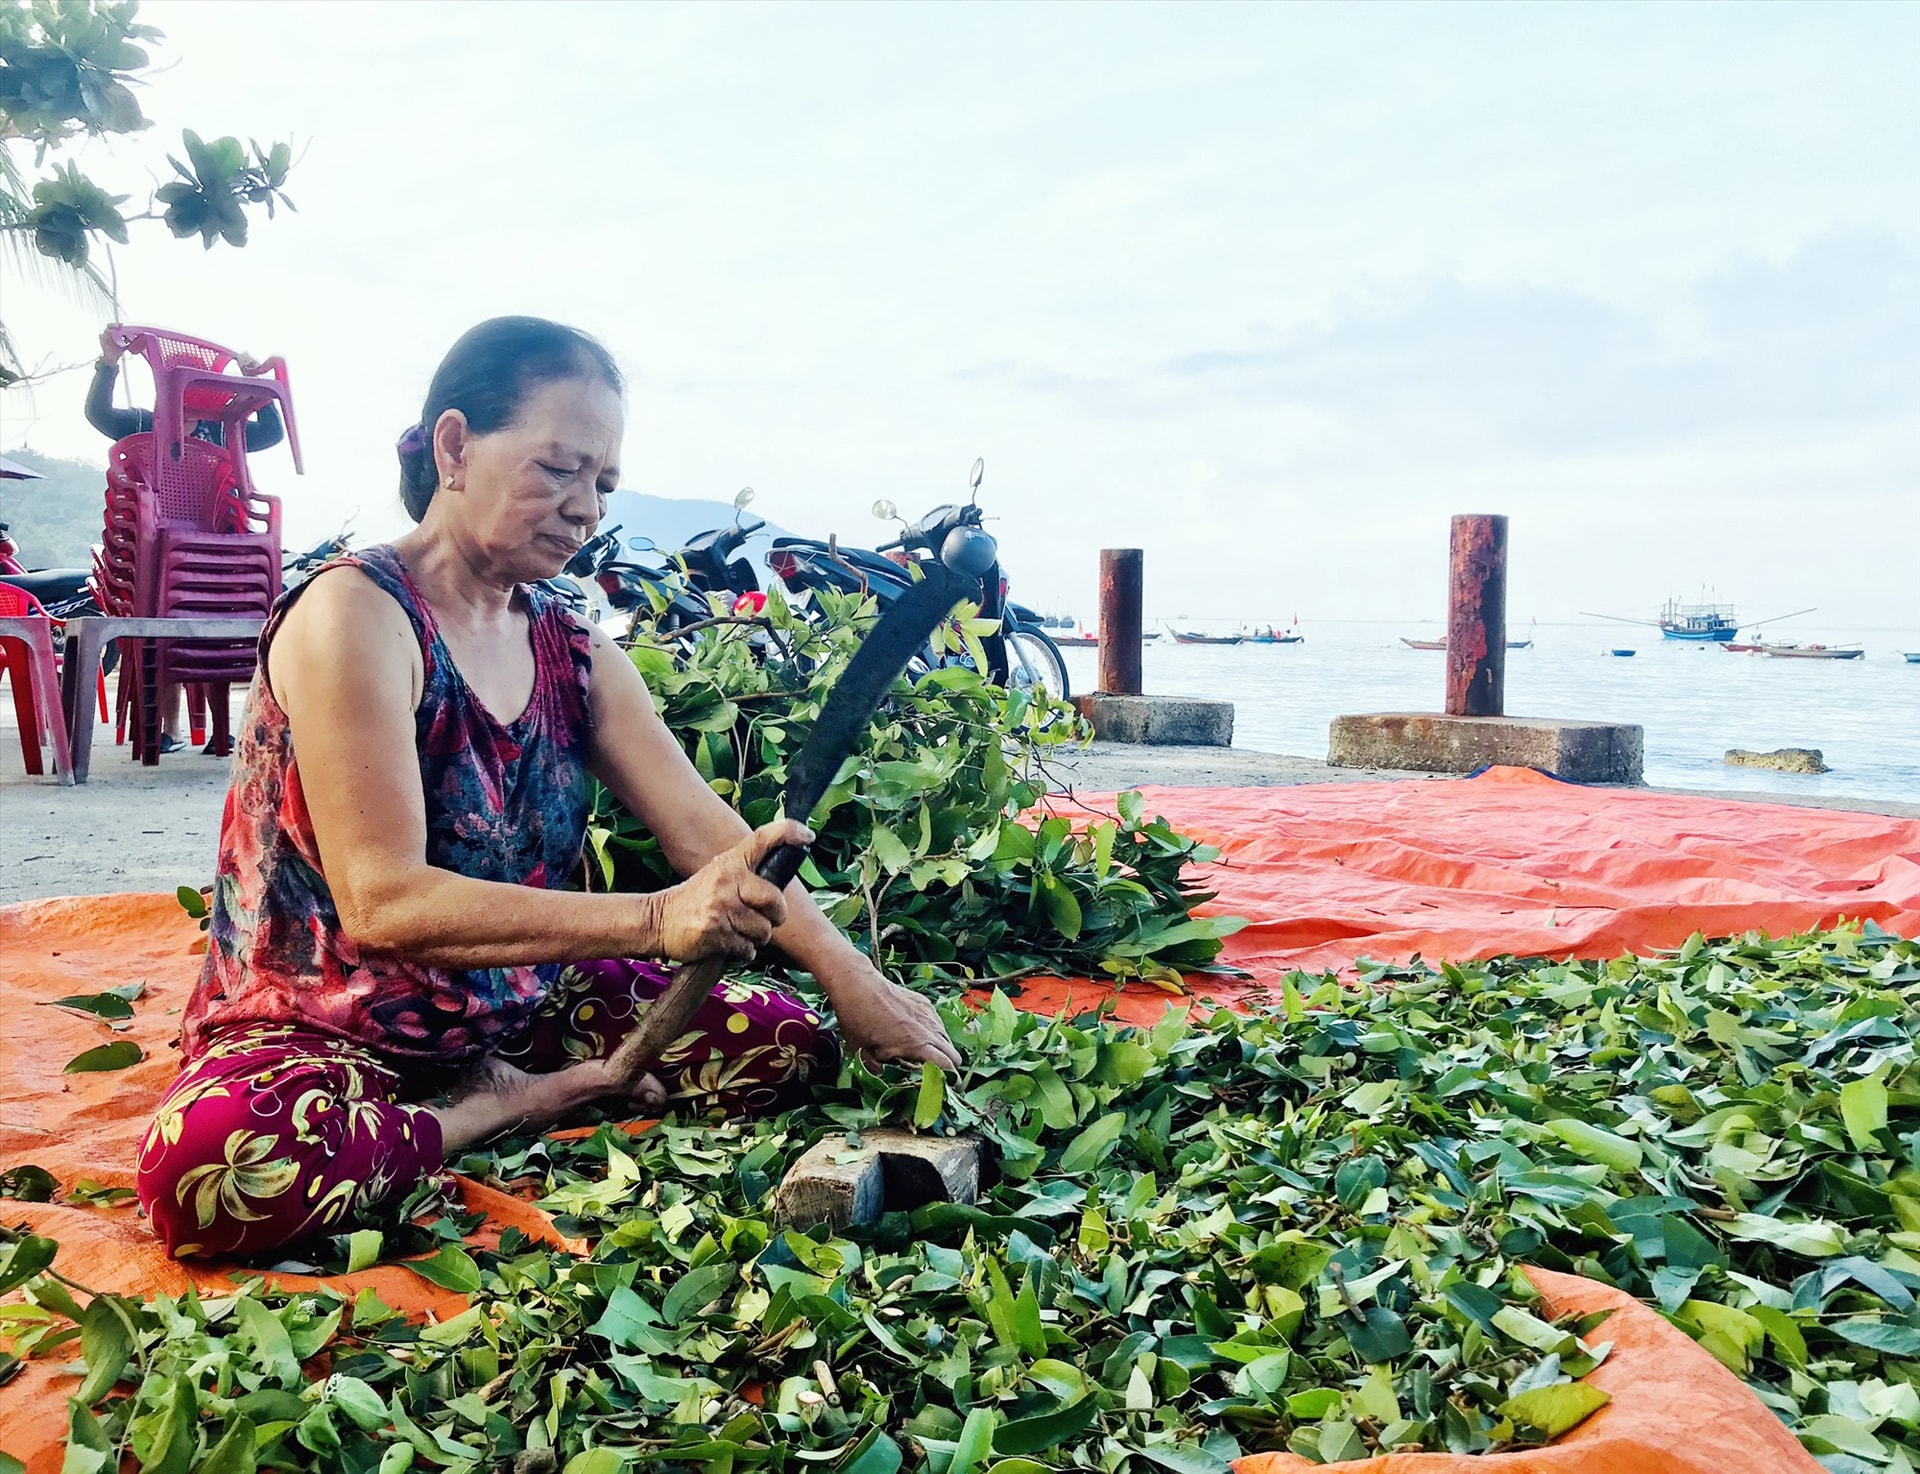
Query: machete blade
[[903, 629], [907, 625]]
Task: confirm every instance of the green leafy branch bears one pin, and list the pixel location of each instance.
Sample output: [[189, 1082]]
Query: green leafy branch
[[931, 853]]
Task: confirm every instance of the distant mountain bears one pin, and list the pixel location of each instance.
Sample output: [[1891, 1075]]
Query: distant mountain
[[56, 520], [670, 521]]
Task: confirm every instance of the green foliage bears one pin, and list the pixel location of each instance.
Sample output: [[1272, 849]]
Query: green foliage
[[1296, 1229], [924, 856], [67, 71], [64, 69], [206, 199]]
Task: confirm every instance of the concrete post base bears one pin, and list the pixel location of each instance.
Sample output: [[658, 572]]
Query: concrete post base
[[1158, 721], [1424, 742]]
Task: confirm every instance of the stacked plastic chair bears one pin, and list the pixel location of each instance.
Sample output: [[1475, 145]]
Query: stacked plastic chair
[[185, 534]]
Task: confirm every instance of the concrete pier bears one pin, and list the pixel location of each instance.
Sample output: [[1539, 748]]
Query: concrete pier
[[1475, 732], [1580, 752], [1118, 712]]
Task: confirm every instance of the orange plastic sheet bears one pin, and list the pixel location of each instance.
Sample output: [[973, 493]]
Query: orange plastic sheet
[[88, 1127], [1509, 862], [1675, 1410]]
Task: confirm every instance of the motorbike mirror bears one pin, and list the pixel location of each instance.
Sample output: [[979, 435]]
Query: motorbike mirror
[[742, 497], [642, 545], [885, 510], [979, 472]]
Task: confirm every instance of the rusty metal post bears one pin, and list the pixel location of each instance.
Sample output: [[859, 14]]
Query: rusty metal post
[[1477, 618], [1121, 582]]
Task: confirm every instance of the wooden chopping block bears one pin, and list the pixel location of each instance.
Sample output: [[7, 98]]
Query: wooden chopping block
[[891, 1171]]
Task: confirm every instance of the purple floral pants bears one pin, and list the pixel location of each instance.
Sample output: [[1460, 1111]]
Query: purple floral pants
[[278, 1133]]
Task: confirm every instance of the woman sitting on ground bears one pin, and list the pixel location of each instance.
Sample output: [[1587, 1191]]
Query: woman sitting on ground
[[395, 972]]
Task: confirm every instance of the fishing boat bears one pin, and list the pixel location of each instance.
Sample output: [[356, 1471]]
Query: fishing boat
[[1442, 644], [1813, 652], [1270, 636], [1085, 641], [1913, 656], [1701, 624], [1698, 622], [1190, 637]]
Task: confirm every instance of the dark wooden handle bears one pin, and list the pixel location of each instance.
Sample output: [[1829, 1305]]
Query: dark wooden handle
[[690, 986]]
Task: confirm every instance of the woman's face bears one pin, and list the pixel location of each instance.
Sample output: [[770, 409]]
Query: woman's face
[[527, 496]]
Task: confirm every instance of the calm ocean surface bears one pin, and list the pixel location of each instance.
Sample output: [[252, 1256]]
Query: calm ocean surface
[[1695, 702]]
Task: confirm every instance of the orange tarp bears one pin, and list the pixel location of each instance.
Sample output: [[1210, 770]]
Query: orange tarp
[[1675, 1410], [89, 1127], [1509, 862]]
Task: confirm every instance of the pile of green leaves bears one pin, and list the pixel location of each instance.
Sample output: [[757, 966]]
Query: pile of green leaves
[[923, 853], [1297, 1228]]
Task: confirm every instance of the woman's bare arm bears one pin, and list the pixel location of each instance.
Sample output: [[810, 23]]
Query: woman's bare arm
[[345, 666], [640, 760]]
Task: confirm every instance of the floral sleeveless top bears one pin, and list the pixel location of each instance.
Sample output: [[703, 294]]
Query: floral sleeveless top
[[504, 802]]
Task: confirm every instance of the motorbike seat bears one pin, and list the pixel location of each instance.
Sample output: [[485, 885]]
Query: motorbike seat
[[859, 557], [50, 585]]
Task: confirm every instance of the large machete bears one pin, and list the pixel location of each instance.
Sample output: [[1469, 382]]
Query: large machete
[[902, 631]]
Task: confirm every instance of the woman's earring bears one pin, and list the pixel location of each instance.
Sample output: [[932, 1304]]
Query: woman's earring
[[449, 483]]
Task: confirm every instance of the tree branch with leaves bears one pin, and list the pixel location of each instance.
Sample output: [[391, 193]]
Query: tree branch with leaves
[[68, 70]]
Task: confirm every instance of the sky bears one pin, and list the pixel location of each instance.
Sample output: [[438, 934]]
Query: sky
[[1269, 292]]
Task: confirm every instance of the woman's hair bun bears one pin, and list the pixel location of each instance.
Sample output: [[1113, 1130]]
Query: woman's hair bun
[[418, 474], [487, 376]]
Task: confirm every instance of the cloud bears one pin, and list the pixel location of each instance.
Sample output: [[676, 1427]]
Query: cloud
[[1830, 336]]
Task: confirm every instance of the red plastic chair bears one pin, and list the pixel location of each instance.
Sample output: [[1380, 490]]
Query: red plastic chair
[[185, 534], [27, 658], [192, 384]]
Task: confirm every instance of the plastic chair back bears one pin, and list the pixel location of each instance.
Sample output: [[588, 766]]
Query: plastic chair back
[[196, 380], [17, 603]]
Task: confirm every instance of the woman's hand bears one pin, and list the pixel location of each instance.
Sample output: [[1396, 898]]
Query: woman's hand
[[885, 1023], [110, 349], [725, 909]]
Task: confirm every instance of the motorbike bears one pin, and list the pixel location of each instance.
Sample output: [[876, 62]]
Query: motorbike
[[1020, 655], [62, 592], [602, 585], [297, 568], [709, 560]]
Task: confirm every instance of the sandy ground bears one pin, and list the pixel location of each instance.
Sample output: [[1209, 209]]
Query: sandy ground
[[133, 828]]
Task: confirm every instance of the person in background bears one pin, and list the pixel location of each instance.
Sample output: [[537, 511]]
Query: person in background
[[264, 431]]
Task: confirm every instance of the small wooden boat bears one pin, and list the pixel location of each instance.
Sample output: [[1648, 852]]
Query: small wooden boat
[[1813, 652], [1913, 656], [1189, 637], [1092, 642], [1442, 644], [1622, 654], [1270, 636]]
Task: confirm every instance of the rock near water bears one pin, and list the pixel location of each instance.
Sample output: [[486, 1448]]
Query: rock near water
[[1781, 759]]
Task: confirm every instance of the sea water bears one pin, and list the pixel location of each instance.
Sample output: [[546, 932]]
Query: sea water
[[1695, 701]]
